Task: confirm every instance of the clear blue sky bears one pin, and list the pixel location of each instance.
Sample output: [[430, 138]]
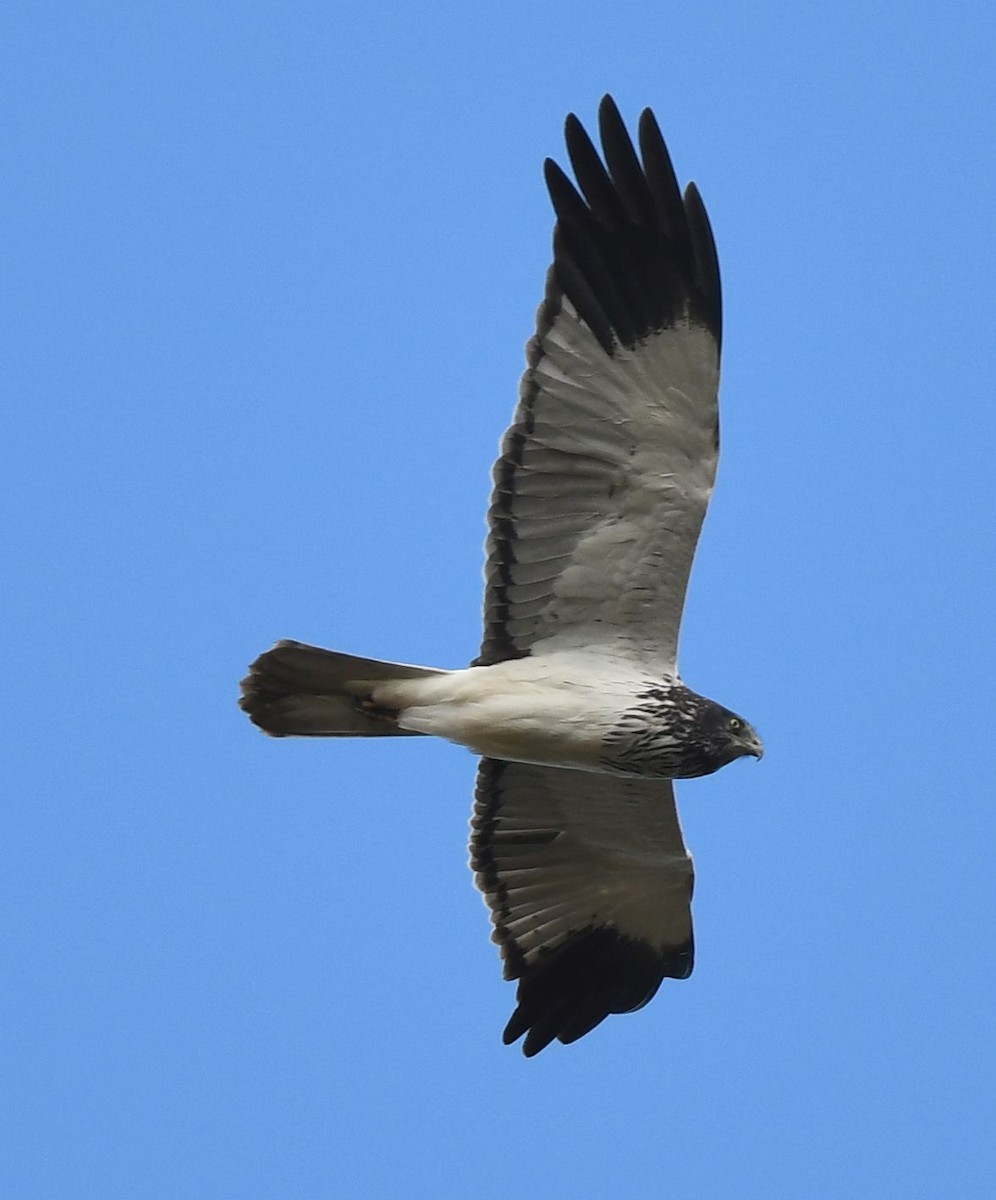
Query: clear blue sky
[[268, 273]]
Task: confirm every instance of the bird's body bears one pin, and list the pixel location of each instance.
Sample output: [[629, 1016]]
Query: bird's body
[[575, 702], [553, 710], [583, 711]]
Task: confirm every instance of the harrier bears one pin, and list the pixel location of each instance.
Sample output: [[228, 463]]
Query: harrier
[[575, 704]]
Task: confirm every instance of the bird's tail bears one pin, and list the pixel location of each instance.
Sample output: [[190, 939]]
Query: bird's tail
[[303, 691]]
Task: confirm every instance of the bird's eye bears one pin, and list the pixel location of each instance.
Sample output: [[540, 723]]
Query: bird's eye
[[736, 724]]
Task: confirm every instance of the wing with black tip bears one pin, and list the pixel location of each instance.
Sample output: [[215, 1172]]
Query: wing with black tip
[[589, 886], [606, 472]]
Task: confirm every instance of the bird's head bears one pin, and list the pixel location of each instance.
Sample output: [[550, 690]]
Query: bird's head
[[674, 733], [723, 737]]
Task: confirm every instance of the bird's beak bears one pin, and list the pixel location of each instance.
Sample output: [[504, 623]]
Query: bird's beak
[[755, 748]]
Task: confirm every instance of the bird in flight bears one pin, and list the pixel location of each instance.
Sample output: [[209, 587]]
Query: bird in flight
[[574, 703]]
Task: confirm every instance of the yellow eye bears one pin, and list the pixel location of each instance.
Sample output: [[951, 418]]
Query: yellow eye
[[736, 724]]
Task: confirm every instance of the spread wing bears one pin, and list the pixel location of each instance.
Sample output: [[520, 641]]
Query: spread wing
[[589, 885], [606, 471]]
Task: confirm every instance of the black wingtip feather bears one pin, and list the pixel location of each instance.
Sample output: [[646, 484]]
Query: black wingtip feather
[[600, 972], [592, 292], [630, 252], [624, 166], [706, 261]]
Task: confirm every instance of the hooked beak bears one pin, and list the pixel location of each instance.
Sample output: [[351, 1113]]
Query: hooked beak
[[754, 746]]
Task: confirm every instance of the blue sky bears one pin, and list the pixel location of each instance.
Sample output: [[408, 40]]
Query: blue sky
[[268, 274]]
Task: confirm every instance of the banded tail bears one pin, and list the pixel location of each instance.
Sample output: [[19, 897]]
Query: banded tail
[[296, 690]]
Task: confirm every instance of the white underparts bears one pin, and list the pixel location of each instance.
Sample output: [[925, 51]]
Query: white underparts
[[553, 710]]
